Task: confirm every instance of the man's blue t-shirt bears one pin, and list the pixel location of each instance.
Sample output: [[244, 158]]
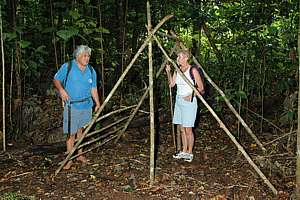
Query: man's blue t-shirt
[[78, 85]]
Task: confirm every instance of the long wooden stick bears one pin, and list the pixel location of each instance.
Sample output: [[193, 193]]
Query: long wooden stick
[[258, 115], [151, 99], [222, 125], [3, 83], [113, 91], [95, 147], [111, 113], [99, 138], [98, 145], [102, 51], [225, 98], [11, 87], [172, 125], [114, 112], [298, 117], [287, 134], [106, 127], [53, 34]]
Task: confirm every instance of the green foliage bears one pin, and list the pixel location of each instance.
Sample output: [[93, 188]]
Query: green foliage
[[9, 36], [66, 34], [15, 196], [24, 44], [255, 39]]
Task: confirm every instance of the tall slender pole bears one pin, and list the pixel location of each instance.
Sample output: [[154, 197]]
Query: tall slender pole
[[298, 128], [172, 125], [53, 35], [151, 99], [3, 81], [102, 50]]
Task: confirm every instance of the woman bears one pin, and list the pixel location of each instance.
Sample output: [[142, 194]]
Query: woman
[[186, 104]]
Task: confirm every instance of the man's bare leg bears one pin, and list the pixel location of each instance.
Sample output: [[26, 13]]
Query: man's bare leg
[[81, 158], [70, 144]]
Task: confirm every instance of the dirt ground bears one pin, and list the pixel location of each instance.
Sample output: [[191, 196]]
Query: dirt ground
[[121, 171]]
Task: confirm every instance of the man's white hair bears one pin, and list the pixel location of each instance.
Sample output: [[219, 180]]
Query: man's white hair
[[81, 49]]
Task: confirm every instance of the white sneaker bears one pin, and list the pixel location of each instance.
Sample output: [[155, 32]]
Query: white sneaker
[[189, 157], [180, 155]]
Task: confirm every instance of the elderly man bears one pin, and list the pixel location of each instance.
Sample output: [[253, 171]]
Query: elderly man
[[76, 82]]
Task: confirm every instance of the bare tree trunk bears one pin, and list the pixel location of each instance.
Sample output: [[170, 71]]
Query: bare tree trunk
[[262, 88], [298, 128], [102, 50], [3, 81], [120, 28], [242, 85], [18, 100], [151, 100], [11, 88], [53, 36]]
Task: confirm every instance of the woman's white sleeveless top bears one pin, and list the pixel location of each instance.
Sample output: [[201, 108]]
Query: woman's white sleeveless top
[[183, 89]]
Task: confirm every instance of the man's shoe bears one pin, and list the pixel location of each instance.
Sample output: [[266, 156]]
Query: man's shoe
[[189, 157], [179, 155]]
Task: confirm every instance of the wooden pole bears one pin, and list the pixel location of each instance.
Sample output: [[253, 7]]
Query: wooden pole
[[113, 91], [3, 82], [225, 99], [114, 112], [172, 125], [102, 50], [53, 34], [222, 125], [11, 87], [106, 127], [93, 141], [298, 126], [151, 100]]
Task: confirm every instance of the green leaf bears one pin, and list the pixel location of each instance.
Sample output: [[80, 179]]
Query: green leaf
[[87, 31], [86, 1], [272, 29], [49, 30], [24, 44], [40, 49], [102, 30], [98, 39], [74, 14], [241, 94], [9, 36], [67, 34], [290, 115]]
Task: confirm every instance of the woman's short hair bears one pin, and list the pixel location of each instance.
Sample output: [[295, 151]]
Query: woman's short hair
[[81, 49], [185, 52]]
